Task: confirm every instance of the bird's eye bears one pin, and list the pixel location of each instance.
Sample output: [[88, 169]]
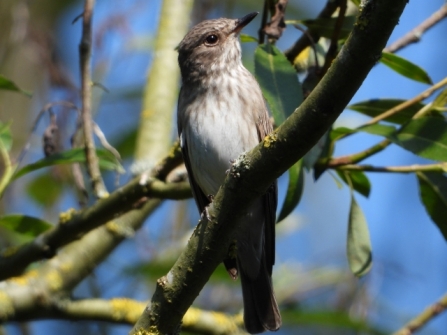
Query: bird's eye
[[211, 39]]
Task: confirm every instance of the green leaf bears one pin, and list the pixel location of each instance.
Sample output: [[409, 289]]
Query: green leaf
[[356, 2], [45, 190], [294, 190], [24, 225], [320, 150], [247, 38], [425, 137], [359, 243], [376, 107], [278, 81], [6, 84], [441, 99], [5, 136], [378, 129], [325, 26], [340, 132], [358, 179], [106, 161], [405, 68], [126, 143], [433, 191]]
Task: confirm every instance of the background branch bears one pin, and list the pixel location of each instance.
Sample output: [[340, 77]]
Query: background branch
[[415, 35], [85, 50], [72, 224], [427, 315], [161, 91]]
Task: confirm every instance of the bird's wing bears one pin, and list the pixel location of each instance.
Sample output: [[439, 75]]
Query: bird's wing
[[270, 199], [201, 199]]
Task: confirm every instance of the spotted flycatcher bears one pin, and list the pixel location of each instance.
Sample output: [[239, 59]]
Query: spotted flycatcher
[[221, 114]]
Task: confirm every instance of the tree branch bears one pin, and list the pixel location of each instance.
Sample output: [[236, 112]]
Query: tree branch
[[160, 93], [85, 51], [439, 167], [72, 224], [209, 243], [427, 315], [415, 34]]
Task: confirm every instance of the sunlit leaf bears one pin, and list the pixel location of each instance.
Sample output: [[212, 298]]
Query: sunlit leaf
[[425, 137], [378, 129], [106, 161], [24, 225], [358, 179], [5, 136], [405, 68], [433, 191], [278, 81], [9, 85], [441, 99], [377, 107], [325, 26], [359, 244], [247, 38], [294, 190]]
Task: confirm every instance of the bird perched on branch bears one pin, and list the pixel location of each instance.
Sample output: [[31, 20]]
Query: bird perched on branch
[[222, 114]]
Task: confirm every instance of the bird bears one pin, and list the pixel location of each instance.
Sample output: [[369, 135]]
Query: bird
[[221, 114]]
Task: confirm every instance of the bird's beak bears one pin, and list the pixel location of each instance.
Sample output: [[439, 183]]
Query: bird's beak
[[243, 21]]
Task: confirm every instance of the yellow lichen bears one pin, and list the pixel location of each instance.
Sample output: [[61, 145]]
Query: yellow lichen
[[6, 306], [270, 139], [147, 113], [25, 279], [191, 317], [126, 309], [54, 280], [66, 216]]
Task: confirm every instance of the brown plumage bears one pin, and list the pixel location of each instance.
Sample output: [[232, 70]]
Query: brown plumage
[[221, 114]]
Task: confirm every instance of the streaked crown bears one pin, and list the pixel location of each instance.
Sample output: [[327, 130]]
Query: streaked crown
[[211, 46]]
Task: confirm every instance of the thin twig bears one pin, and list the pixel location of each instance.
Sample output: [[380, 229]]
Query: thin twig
[[422, 96], [439, 167], [359, 156], [332, 51], [85, 48], [261, 33], [427, 315], [303, 42], [415, 34]]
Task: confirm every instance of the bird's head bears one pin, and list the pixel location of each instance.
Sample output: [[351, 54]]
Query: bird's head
[[211, 46]]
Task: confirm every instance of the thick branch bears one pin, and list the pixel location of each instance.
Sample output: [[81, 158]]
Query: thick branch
[[160, 93], [288, 143]]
